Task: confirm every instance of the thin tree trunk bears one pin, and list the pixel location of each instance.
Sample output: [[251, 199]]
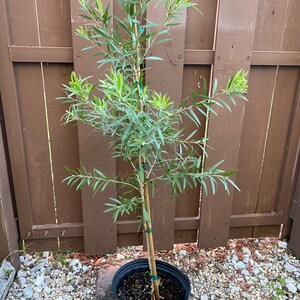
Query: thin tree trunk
[[150, 247]]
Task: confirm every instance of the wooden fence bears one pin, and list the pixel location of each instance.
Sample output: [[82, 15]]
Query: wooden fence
[[39, 50]]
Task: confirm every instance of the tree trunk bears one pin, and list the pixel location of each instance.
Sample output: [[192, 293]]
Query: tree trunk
[[150, 247]]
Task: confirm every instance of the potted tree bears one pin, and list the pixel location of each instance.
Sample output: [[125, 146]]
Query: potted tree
[[144, 124]]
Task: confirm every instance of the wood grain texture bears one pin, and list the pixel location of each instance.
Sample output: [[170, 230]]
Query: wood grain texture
[[64, 143], [294, 243], [278, 133], [33, 116], [200, 28], [8, 230], [271, 18], [41, 54], [235, 34], [54, 22], [100, 233], [193, 76], [11, 110], [22, 22], [170, 82]]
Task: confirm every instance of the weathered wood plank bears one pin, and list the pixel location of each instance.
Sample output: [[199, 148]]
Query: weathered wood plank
[[32, 112], [235, 34], [8, 230], [100, 233], [253, 141], [200, 28], [40, 54], [54, 23], [64, 144], [13, 121], [170, 82]]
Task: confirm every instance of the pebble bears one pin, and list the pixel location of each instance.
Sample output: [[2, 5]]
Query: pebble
[[52, 281], [291, 288], [28, 292], [246, 251], [282, 244], [120, 256], [290, 268], [247, 269], [258, 255], [240, 266]]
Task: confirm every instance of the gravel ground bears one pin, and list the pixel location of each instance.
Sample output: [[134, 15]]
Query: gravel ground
[[245, 269]]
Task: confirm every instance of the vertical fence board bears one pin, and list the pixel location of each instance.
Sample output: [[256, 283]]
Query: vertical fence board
[[275, 154], [270, 24], [253, 141], [32, 108], [13, 123], [8, 229], [235, 34], [294, 243], [277, 138], [100, 235], [200, 29], [291, 41], [22, 22], [54, 22], [64, 144], [170, 82], [188, 204]]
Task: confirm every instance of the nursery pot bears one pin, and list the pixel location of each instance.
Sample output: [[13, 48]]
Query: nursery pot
[[163, 269]]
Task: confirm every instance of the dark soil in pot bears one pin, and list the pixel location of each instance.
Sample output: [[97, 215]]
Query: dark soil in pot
[[133, 282]]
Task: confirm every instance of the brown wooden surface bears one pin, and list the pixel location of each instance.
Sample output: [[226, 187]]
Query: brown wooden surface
[[294, 243], [13, 125], [163, 208], [234, 41], [32, 112], [8, 229], [41, 54], [100, 233], [64, 144]]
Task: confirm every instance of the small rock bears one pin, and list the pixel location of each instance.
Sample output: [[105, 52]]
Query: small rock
[[39, 280], [46, 289], [255, 271], [204, 297], [290, 268], [234, 289], [86, 268], [28, 292], [245, 272], [21, 281], [246, 251], [239, 266], [273, 276], [246, 259], [258, 255], [282, 244], [21, 273], [75, 265], [120, 256], [290, 288], [183, 252], [46, 254], [37, 267], [234, 258]]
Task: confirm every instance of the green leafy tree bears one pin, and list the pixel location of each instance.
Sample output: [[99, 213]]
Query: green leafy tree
[[145, 125]]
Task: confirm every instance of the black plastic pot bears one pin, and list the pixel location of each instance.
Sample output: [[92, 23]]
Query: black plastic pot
[[163, 269]]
